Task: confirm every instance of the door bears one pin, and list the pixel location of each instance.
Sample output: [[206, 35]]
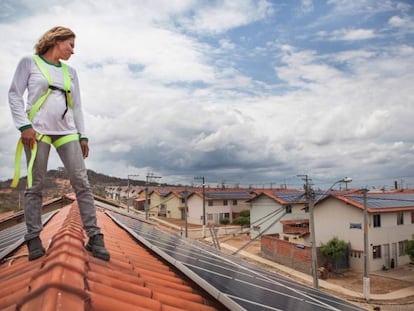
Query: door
[[394, 254], [386, 248]]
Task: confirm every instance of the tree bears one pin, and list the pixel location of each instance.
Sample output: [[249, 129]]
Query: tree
[[334, 249], [409, 249]]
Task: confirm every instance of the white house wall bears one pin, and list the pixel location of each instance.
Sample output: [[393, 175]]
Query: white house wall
[[386, 235], [332, 219], [261, 208], [195, 210]]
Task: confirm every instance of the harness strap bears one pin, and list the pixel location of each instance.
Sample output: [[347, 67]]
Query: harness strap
[[66, 87], [39, 137]]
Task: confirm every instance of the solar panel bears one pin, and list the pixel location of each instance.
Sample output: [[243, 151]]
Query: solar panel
[[234, 282], [164, 192], [226, 195], [11, 237], [291, 196], [380, 201]]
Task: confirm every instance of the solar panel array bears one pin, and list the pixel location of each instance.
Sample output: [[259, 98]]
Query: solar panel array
[[228, 195], [380, 201], [291, 197], [12, 237], [237, 284]]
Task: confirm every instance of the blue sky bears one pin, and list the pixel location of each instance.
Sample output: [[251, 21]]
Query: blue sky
[[245, 92]]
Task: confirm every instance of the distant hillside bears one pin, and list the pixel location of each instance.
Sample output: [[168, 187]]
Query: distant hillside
[[57, 184]]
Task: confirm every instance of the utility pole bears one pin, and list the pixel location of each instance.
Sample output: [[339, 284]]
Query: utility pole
[[366, 253], [204, 206], [314, 255], [131, 175], [186, 212], [149, 178]]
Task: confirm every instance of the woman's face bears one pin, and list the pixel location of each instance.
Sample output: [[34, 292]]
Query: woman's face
[[65, 48]]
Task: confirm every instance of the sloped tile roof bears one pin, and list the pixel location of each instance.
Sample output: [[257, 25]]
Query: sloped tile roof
[[69, 278]]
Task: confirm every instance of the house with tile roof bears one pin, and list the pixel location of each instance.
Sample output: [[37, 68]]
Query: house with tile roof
[[170, 202], [284, 216], [162, 201], [390, 225], [282, 212], [219, 204]]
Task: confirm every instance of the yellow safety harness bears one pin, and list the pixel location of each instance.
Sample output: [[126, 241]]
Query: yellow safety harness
[[40, 137]]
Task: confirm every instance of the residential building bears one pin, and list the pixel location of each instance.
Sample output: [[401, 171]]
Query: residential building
[[219, 204], [390, 225], [282, 212]]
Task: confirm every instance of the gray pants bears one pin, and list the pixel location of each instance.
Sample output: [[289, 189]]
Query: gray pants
[[71, 156]]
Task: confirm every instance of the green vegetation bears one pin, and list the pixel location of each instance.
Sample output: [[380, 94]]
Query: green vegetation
[[243, 219], [224, 221], [409, 249], [334, 249]]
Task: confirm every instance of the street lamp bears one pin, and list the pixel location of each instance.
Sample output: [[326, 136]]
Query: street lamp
[[311, 202], [204, 206], [131, 175]]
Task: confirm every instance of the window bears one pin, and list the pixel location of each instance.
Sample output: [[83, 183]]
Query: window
[[210, 202], [288, 209], [225, 202], [224, 216], [234, 202], [400, 218], [210, 217], [401, 248], [376, 251], [412, 217], [377, 220]]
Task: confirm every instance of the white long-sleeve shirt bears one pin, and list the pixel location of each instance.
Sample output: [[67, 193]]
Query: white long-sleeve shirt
[[48, 119]]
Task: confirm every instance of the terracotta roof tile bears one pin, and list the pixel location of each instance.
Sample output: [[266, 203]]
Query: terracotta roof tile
[[69, 278]]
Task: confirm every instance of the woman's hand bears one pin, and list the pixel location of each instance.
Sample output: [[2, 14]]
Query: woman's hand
[[28, 137], [85, 148]]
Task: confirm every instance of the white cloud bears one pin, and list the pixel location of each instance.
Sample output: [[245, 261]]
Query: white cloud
[[224, 15], [353, 34], [307, 6]]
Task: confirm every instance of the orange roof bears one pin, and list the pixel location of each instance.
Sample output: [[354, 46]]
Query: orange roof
[[69, 278]]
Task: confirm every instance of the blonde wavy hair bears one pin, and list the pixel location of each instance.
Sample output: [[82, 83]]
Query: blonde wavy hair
[[50, 38]]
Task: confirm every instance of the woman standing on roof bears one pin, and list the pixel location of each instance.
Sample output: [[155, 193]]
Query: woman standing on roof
[[52, 115]]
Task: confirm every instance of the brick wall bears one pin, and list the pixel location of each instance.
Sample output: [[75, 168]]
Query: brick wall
[[286, 253]]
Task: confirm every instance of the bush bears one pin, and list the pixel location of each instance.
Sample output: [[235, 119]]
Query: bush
[[242, 221], [409, 249], [224, 221], [245, 213]]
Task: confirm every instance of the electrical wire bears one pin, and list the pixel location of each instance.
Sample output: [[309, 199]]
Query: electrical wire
[[262, 232]]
